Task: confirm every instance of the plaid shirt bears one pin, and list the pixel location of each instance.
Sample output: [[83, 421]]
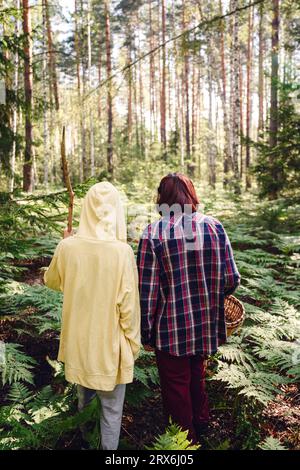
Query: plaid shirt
[[184, 274]]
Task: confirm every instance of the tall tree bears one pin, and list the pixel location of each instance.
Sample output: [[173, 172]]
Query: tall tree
[[227, 134], [28, 83], [249, 83], [274, 88], [15, 111], [163, 135], [185, 77], [235, 92], [151, 73], [51, 55], [45, 98], [110, 165], [274, 75], [91, 124], [261, 41]]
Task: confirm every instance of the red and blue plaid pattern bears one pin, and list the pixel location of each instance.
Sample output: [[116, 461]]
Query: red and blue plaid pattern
[[184, 275]]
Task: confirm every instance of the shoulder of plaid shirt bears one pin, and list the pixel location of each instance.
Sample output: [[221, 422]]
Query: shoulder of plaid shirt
[[148, 264]]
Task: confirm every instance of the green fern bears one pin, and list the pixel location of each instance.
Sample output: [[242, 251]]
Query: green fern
[[174, 438], [19, 394], [145, 370], [271, 443], [17, 366]]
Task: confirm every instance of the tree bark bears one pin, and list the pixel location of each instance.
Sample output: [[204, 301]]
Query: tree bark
[[15, 112], [110, 166], [186, 89], [28, 83], [91, 125], [249, 103], [163, 80], [152, 75], [274, 75], [235, 99], [129, 103], [79, 89], [227, 134], [51, 55], [261, 77], [44, 87]]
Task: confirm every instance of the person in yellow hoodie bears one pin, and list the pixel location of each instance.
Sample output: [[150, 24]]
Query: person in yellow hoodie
[[100, 333]]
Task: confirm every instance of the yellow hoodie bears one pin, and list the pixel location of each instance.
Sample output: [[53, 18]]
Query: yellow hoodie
[[96, 271]]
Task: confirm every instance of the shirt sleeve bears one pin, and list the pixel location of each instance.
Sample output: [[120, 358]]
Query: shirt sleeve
[[149, 286], [129, 306], [53, 275], [232, 276]]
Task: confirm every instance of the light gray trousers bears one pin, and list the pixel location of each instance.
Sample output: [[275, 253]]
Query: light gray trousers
[[111, 412]]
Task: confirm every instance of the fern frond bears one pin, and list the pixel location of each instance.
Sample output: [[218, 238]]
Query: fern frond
[[173, 439], [17, 365], [271, 443]]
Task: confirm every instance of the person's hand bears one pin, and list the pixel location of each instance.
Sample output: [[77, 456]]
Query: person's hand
[[148, 348], [67, 234]]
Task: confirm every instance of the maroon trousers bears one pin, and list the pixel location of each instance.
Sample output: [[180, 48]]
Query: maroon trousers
[[182, 381]]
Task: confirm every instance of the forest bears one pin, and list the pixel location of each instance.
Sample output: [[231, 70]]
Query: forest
[[129, 91]]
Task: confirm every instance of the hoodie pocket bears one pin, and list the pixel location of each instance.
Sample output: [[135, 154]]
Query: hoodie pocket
[[126, 356]]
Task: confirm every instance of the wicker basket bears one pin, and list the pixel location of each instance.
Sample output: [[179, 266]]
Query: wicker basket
[[234, 314]]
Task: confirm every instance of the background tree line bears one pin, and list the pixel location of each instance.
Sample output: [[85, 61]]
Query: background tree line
[[206, 87]]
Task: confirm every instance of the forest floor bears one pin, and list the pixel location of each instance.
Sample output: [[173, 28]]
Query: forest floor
[[253, 382], [143, 423]]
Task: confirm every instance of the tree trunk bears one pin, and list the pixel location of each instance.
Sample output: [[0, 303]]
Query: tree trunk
[[141, 100], [241, 126], [235, 100], [163, 80], [91, 125], [110, 166], [79, 87], [28, 160], [186, 90], [193, 106], [15, 112], [51, 55], [100, 77], [249, 77], [211, 147], [152, 75], [44, 88], [274, 75], [261, 77], [274, 89], [227, 134], [83, 104], [129, 103]]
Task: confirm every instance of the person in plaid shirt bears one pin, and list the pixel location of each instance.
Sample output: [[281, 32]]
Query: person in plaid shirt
[[186, 268]]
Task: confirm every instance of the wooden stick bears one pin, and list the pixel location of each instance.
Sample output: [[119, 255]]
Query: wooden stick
[[67, 179]]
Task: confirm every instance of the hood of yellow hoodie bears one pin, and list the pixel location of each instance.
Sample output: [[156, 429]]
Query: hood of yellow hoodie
[[102, 215]]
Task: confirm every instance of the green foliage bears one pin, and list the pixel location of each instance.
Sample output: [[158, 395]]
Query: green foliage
[[16, 366], [10, 44], [277, 168], [173, 439], [45, 306], [145, 378], [250, 368], [271, 443], [40, 422], [145, 370]]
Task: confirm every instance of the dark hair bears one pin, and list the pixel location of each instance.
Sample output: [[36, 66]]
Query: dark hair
[[176, 188]]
